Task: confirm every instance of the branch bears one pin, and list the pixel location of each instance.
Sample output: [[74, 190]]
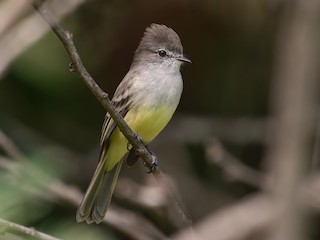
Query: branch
[[234, 168], [249, 216], [293, 98], [234, 222], [127, 222], [9, 147], [16, 39], [151, 199], [78, 67], [17, 229], [10, 12]]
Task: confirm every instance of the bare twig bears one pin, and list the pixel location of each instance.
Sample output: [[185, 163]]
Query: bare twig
[[233, 167], [77, 67], [10, 227]]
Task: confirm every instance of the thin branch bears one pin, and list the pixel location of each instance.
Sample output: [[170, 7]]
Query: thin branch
[[125, 221], [234, 222], [249, 216], [18, 38], [6, 226], [9, 147], [234, 168], [150, 198], [78, 67]]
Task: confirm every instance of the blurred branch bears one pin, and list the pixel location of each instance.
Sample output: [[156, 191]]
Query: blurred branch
[[77, 67], [29, 30], [293, 100], [233, 167], [140, 227], [150, 198], [249, 216], [17, 229], [125, 221], [10, 12], [316, 147], [9, 147], [235, 222], [309, 191]]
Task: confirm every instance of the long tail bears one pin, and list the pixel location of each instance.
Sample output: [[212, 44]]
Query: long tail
[[98, 196]]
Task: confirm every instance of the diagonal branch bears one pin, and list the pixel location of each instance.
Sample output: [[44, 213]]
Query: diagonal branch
[[78, 67], [233, 167], [125, 221], [16, 38], [9, 147], [249, 216], [14, 228]]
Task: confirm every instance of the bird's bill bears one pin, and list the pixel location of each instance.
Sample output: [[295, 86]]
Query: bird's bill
[[183, 58]]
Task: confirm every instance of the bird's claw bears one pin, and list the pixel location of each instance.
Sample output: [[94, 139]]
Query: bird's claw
[[154, 164]]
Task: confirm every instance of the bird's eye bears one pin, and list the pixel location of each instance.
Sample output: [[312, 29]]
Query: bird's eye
[[162, 53]]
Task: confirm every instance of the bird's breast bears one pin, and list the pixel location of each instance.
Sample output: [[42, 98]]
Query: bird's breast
[[155, 99], [155, 88], [149, 122]]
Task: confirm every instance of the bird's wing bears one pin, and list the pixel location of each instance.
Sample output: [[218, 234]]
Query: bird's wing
[[121, 100], [98, 196]]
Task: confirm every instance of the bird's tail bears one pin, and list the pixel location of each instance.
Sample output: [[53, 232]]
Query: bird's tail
[[98, 196]]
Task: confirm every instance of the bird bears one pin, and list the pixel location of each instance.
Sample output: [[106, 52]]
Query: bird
[[146, 98]]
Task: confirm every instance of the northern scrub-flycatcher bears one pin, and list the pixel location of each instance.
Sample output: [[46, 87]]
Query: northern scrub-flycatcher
[[147, 97]]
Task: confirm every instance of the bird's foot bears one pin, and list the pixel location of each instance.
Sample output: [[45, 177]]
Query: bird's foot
[[154, 162]]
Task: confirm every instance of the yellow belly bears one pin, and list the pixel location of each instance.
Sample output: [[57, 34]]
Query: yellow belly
[[146, 122]]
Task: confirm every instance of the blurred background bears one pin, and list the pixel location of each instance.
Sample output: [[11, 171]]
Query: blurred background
[[213, 149]]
